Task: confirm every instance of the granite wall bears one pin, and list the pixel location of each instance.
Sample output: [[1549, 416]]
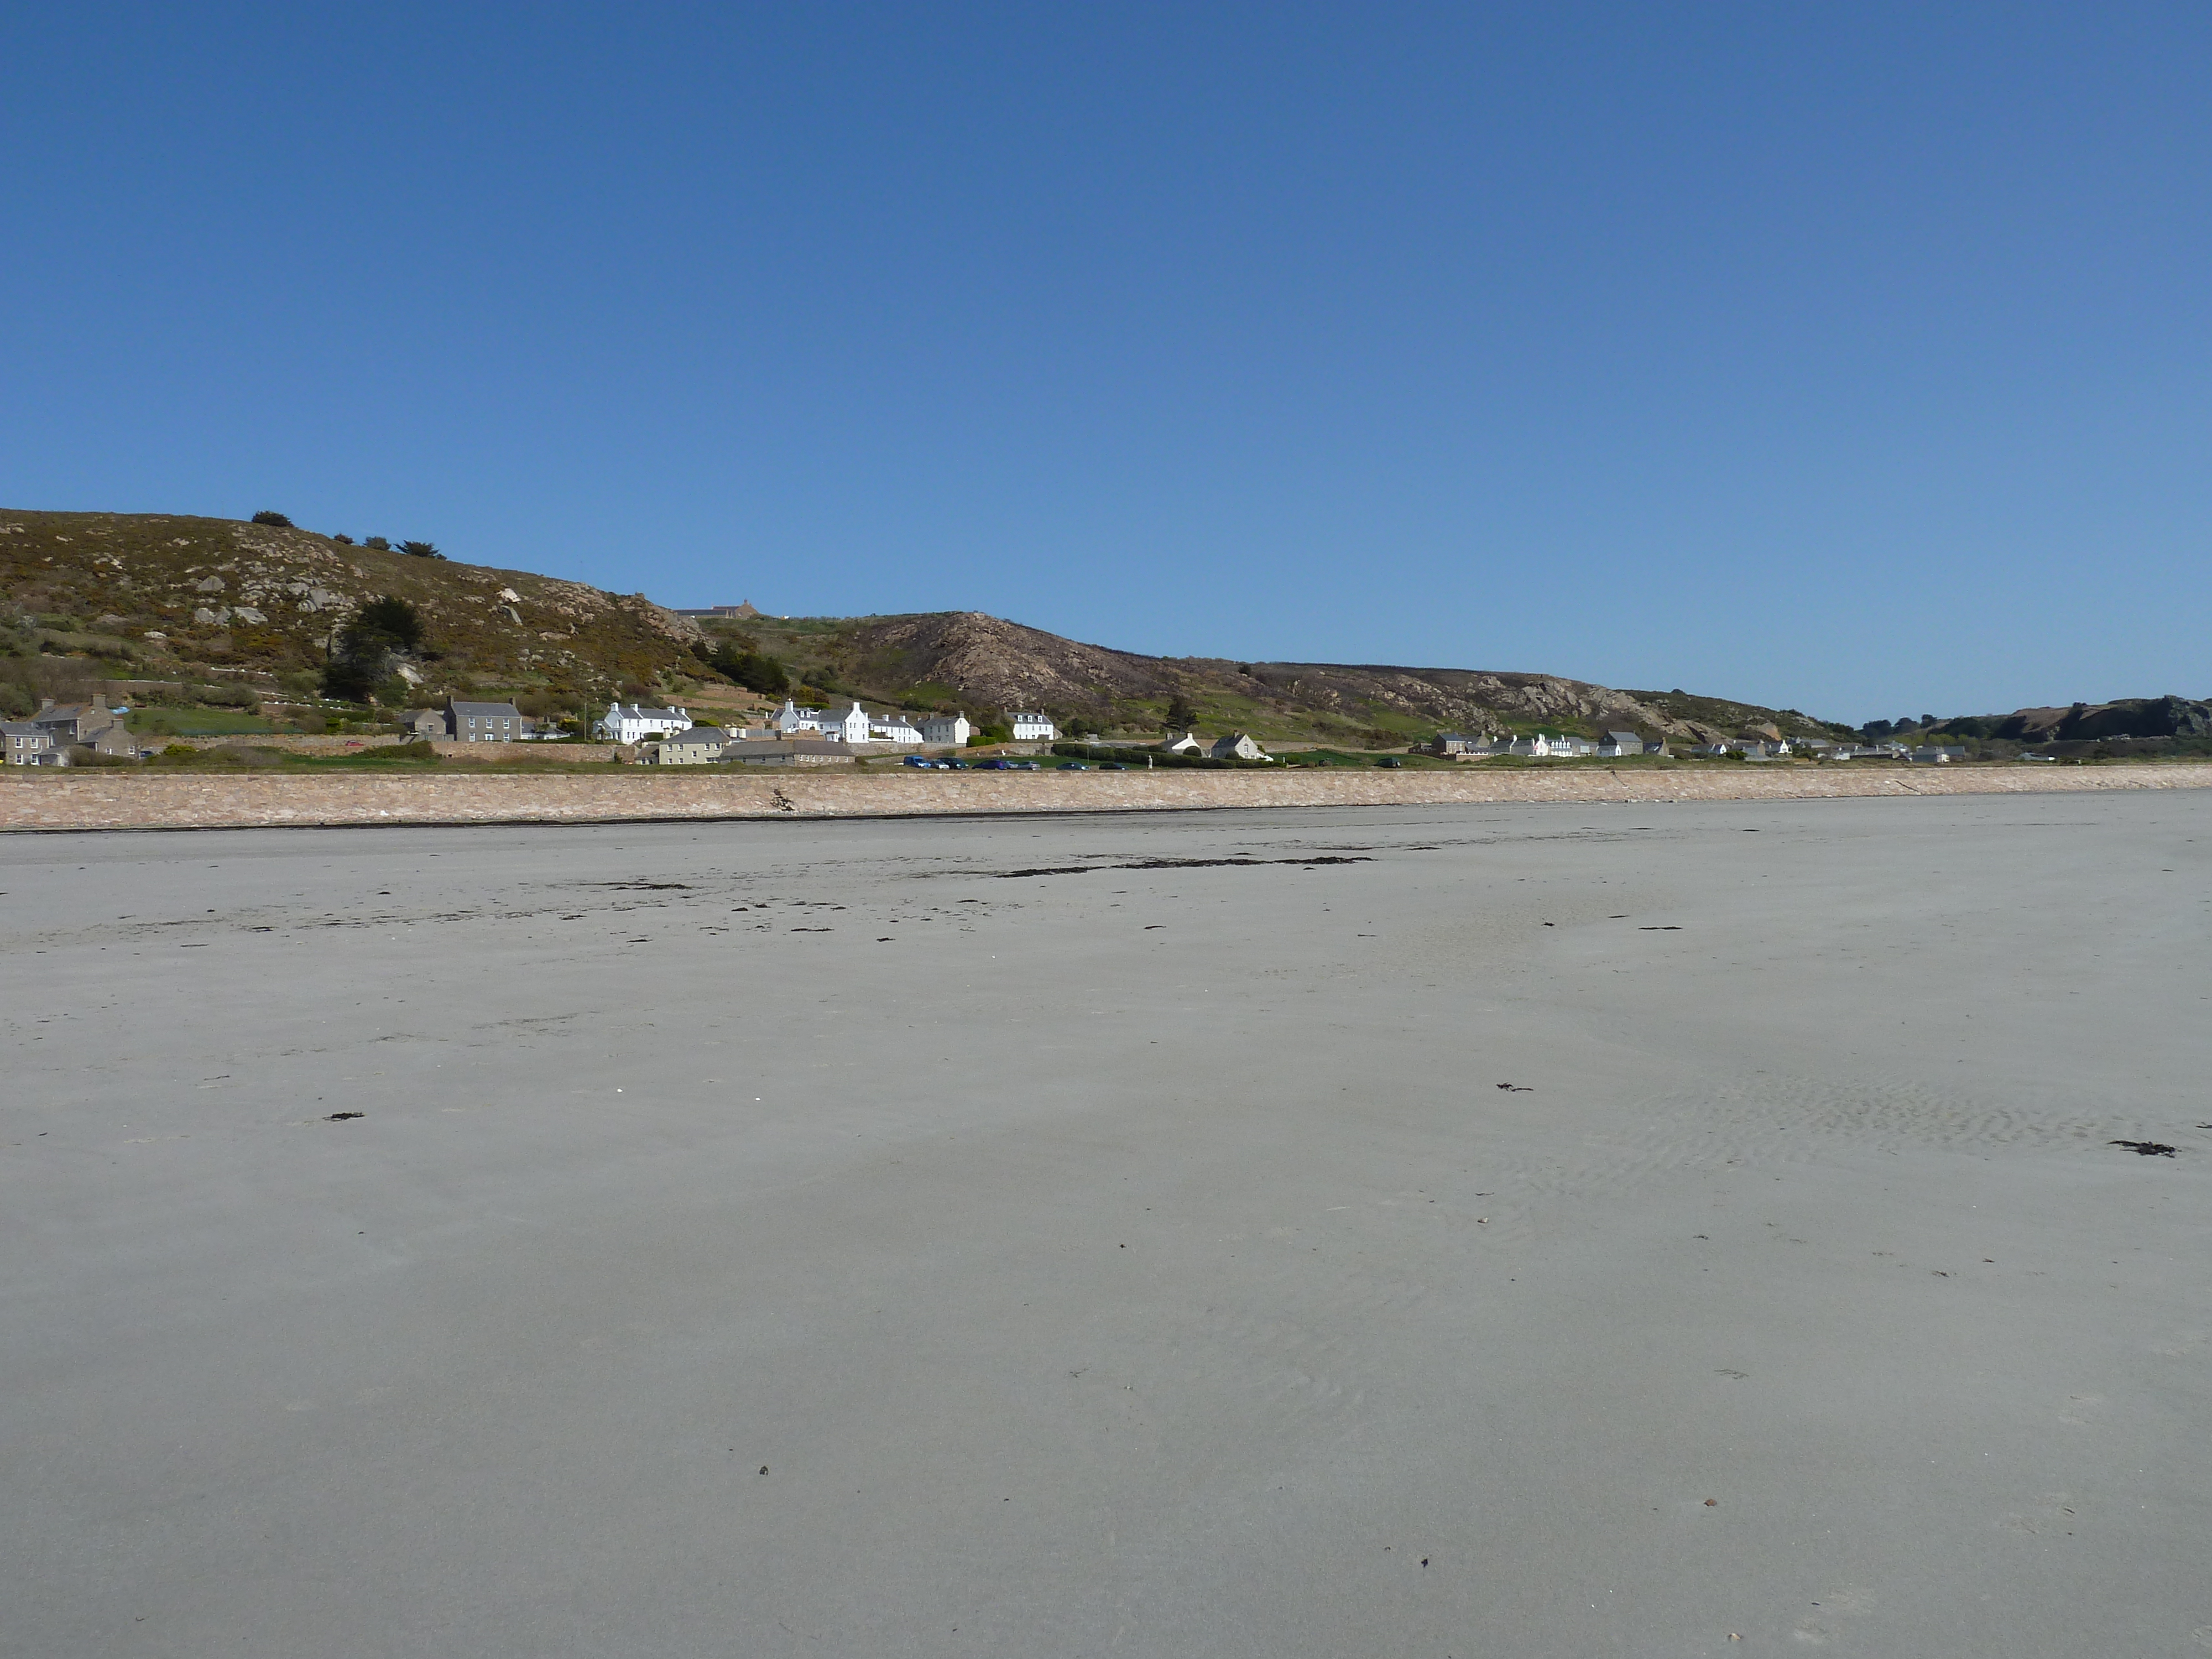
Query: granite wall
[[35, 798]]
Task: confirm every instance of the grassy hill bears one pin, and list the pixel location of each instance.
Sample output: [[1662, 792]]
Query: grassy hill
[[230, 613], [135, 596], [984, 664]]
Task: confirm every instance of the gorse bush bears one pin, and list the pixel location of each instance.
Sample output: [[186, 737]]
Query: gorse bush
[[379, 543], [420, 550], [275, 519]]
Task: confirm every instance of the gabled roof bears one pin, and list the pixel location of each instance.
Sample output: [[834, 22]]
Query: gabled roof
[[784, 746], [486, 710]]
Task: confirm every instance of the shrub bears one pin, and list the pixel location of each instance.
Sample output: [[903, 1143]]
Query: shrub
[[343, 539], [753, 670], [391, 619], [378, 543], [420, 550], [276, 518], [362, 658]]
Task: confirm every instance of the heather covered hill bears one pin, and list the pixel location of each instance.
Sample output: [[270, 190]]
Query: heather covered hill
[[982, 661], [155, 596], [148, 597]]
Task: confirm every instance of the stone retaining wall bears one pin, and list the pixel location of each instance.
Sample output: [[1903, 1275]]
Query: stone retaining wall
[[301, 743], [292, 743], [36, 799]]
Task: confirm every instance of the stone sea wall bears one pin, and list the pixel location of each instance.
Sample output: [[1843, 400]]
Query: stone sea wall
[[103, 799]]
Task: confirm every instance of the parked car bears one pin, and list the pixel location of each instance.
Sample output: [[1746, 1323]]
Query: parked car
[[1391, 761], [995, 766], [1111, 766], [953, 765], [921, 762], [1075, 766]]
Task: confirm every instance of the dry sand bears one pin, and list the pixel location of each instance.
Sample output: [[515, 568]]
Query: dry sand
[[1143, 1262]]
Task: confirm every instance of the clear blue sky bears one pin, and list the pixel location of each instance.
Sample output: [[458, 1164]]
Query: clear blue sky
[[1853, 358]]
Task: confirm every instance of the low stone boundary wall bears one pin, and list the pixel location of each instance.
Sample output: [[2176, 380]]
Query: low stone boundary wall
[[292, 743], [35, 798], [300, 743]]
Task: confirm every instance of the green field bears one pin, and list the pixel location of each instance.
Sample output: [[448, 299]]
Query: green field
[[197, 722]]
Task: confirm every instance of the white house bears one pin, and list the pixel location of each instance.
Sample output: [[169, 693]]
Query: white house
[[791, 720], [628, 723], [1034, 728], [1237, 746], [894, 728], [1188, 744], [947, 728]]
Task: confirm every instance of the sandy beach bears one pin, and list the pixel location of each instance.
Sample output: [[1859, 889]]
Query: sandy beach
[[1523, 1228]]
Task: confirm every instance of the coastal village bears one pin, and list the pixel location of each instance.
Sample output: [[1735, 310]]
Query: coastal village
[[62, 734]]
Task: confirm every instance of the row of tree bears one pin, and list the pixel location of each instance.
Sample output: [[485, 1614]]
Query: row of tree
[[413, 549]]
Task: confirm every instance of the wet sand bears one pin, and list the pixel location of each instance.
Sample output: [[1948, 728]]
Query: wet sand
[[768, 1238]]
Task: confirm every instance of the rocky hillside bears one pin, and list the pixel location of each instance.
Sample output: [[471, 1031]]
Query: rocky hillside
[[2132, 717], [140, 597], [983, 663], [147, 596]]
